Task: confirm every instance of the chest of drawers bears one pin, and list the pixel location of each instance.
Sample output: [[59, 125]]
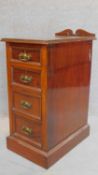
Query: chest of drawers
[[48, 92]]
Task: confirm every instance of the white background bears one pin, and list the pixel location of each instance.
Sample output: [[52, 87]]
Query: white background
[[32, 18]]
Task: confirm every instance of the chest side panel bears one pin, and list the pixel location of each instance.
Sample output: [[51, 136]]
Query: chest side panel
[[68, 89]]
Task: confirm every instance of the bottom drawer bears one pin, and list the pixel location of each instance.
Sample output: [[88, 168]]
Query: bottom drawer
[[28, 130]]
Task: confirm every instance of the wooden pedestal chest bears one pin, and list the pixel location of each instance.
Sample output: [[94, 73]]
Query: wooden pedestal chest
[[48, 87]]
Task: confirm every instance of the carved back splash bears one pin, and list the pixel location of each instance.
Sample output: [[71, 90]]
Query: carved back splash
[[78, 32]]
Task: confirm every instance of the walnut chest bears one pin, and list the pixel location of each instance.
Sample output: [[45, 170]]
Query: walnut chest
[[48, 90]]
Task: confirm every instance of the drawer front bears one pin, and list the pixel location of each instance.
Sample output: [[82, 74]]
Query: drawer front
[[28, 78], [25, 53], [28, 105], [27, 130]]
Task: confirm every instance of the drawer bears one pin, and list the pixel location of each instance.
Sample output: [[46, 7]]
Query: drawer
[[29, 131], [28, 78], [26, 53], [27, 105]]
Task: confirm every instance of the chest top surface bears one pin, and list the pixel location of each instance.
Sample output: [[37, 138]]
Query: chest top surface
[[60, 37]]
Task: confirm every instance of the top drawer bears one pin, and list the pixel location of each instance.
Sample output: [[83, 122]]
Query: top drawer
[[26, 53]]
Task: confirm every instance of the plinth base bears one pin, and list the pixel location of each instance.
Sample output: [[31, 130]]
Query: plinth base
[[46, 159]]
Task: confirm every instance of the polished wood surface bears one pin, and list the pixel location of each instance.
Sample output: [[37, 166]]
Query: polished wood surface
[[27, 104], [26, 77], [68, 89], [29, 131], [19, 50], [67, 36], [46, 159], [48, 88], [78, 32]]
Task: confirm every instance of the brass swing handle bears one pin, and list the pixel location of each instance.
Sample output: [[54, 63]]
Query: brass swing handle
[[26, 130], [25, 104], [26, 79], [25, 57]]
